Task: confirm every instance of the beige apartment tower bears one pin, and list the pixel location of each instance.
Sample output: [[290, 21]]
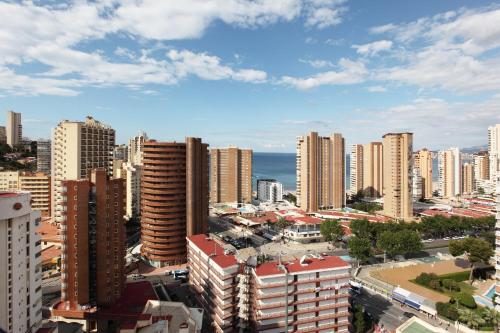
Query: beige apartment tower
[[14, 128], [77, 148], [230, 175], [398, 165], [482, 166], [467, 178], [450, 173], [320, 172], [423, 162], [367, 169]]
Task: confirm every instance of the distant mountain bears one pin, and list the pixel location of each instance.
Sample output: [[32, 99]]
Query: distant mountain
[[474, 149]]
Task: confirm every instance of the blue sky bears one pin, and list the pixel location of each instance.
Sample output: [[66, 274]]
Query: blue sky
[[256, 73]]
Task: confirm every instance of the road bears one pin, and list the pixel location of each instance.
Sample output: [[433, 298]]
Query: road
[[218, 225], [390, 315]]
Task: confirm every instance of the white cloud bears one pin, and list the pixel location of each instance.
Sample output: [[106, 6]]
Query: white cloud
[[209, 68], [372, 49], [382, 28], [317, 63], [53, 35], [448, 51], [350, 72], [377, 89]]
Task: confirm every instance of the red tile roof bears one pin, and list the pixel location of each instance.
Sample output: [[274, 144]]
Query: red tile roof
[[434, 212], [48, 232], [213, 249], [267, 217], [353, 216], [309, 220], [314, 264], [49, 253]]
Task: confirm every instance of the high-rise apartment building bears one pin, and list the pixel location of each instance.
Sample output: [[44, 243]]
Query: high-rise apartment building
[[269, 190], [356, 168], [21, 273], [422, 160], [230, 175], [373, 170], [482, 166], [398, 165], [174, 198], [494, 151], [135, 148], [132, 171], [497, 252], [416, 184], [43, 156], [450, 173], [3, 135], [14, 129], [93, 248], [120, 152], [468, 180], [320, 172], [78, 147], [38, 184]]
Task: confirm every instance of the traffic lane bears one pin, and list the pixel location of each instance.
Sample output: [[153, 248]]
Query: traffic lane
[[383, 311]]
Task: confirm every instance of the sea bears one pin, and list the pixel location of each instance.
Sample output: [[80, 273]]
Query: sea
[[282, 167]]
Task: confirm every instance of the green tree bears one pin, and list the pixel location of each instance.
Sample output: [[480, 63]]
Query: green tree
[[476, 250], [470, 318], [388, 243], [361, 228], [360, 248], [281, 224], [399, 242], [331, 230], [360, 321], [491, 316]]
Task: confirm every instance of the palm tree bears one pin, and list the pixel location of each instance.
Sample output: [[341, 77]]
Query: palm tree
[[470, 318], [491, 316]]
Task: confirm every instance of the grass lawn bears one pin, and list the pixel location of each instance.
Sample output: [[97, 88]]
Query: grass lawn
[[460, 278]]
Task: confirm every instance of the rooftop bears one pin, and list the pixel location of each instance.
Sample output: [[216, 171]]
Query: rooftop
[[213, 249], [48, 232], [49, 253], [295, 267]]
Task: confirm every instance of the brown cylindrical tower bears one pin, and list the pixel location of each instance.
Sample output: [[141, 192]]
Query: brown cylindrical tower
[[166, 181]]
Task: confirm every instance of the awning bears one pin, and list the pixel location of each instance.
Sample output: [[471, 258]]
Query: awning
[[412, 304]]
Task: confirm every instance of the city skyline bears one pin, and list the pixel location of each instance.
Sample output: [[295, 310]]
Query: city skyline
[[259, 74]]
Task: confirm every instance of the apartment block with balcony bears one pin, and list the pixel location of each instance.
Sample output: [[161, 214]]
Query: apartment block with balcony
[[307, 295], [43, 149], [93, 246], [213, 280], [77, 148], [269, 190], [20, 259]]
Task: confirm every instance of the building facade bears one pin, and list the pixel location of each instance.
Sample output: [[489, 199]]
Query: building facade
[[174, 198], [93, 247], [423, 162], [135, 148], [77, 148], [9, 180], [494, 151], [320, 172], [3, 135], [373, 170], [417, 184], [230, 175], [468, 180], [14, 129], [356, 167], [43, 156], [398, 165], [482, 166], [450, 173], [213, 280], [38, 184], [21, 273], [316, 290], [269, 190]]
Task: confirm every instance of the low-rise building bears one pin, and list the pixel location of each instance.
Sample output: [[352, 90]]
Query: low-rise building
[[310, 294]]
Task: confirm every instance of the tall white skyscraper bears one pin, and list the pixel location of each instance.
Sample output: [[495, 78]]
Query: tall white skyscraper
[[133, 169], [14, 129], [78, 147], [494, 151], [21, 273]]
